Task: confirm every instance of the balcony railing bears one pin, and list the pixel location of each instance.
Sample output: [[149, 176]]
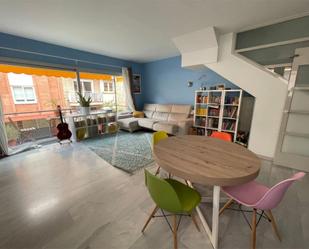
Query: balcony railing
[[37, 127], [72, 97]]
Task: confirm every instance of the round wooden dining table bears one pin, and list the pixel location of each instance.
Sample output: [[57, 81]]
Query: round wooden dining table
[[208, 161]]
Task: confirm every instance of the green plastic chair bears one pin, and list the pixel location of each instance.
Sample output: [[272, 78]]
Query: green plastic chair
[[171, 196], [156, 138]]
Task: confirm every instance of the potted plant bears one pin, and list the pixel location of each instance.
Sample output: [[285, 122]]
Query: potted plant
[[84, 104]]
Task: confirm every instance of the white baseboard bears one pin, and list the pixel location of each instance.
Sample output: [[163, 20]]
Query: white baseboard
[[270, 159]]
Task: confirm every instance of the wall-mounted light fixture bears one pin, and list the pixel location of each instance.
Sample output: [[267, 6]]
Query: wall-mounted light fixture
[[190, 83]]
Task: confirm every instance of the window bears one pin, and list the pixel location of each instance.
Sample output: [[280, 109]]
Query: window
[[22, 88], [75, 86], [108, 87], [86, 86], [23, 94]]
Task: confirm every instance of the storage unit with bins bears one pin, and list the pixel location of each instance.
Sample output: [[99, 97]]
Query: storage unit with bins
[[94, 124]]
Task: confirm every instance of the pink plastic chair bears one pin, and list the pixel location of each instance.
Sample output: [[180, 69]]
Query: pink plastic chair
[[259, 197]]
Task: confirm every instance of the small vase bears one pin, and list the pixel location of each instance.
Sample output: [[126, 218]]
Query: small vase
[[85, 110]]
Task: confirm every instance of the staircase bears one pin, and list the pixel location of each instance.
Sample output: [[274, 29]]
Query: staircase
[[269, 90]]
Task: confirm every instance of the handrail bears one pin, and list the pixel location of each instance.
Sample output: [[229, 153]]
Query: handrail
[[17, 113], [95, 96]]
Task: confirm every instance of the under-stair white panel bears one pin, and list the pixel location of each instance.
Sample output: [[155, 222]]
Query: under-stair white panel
[[198, 48]]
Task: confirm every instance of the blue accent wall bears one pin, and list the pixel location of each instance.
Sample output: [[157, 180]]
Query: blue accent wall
[[21, 43], [165, 81]]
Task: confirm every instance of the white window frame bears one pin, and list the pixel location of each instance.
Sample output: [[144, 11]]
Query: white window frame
[[82, 85], [25, 101], [108, 86]]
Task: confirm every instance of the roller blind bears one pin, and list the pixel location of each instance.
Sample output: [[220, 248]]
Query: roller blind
[[4, 68], [36, 71]]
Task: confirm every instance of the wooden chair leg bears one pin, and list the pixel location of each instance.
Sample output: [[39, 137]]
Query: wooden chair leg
[[226, 205], [175, 231], [253, 227], [195, 222], [150, 217], [157, 171], [273, 223]]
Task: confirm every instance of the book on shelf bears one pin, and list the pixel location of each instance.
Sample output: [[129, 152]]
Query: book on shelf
[[228, 125], [200, 121], [201, 99], [234, 111], [214, 112], [212, 123], [231, 100], [230, 111], [215, 99], [200, 132], [201, 111]]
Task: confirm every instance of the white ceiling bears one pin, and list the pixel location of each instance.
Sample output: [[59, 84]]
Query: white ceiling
[[139, 30]]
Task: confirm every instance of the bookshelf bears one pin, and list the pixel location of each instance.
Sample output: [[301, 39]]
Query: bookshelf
[[217, 110]]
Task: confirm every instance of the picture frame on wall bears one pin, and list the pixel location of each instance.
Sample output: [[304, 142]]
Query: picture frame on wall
[[136, 84]]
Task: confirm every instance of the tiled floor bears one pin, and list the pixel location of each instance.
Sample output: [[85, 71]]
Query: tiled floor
[[68, 197]]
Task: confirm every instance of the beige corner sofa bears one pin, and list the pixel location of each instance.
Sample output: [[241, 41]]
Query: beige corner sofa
[[173, 119]]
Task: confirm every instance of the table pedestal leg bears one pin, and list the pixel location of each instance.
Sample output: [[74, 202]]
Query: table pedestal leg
[[212, 233], [215, 216]]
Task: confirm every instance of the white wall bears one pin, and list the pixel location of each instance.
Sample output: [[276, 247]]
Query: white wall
[[196, 59], [198, 47], [269, 91]]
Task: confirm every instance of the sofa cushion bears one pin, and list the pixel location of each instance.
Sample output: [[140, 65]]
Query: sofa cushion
[[181, 109], [150, 107], [148, 114], [177, 116], [146, 122], [169, 127], [164, 108], [160, 116]]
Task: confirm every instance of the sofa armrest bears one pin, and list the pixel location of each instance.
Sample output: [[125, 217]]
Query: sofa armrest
[[124, 115], [184, 125]]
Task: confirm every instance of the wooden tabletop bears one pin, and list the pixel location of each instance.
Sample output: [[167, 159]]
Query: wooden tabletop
[[207, 160]]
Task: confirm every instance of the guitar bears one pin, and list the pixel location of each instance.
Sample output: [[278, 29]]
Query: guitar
[[63, 129]]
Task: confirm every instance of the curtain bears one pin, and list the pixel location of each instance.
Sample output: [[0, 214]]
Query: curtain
[[127, 88], [3, 137]]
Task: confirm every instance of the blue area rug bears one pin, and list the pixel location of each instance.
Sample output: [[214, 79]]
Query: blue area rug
[[127, 151]]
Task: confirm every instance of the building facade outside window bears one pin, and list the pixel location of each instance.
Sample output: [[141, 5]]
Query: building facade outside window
[[86, 86], [108, 87], [23, 91]]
